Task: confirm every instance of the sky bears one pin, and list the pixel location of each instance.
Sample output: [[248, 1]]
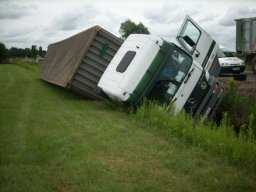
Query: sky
[[42, 22]]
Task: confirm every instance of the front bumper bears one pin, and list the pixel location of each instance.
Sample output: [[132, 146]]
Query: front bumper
[[233, 69], [211, 102]]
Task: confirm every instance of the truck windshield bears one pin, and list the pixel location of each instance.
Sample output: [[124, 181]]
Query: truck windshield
[[171, 76], [222, 53], [228, 54]]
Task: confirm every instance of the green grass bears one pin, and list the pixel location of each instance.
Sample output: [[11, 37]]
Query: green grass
[[53, 140]]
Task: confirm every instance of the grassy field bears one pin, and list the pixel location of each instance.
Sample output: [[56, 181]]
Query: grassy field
[[53, 140]]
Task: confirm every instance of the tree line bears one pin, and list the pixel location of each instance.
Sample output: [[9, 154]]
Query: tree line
[[15, 52]]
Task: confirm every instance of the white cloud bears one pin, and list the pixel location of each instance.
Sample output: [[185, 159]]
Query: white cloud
[[75, 18], [168, 13], [68, 23], [8, 10], [236, 12], [27, 22]]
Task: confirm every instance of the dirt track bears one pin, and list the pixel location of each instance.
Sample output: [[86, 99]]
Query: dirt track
[[246, 87]]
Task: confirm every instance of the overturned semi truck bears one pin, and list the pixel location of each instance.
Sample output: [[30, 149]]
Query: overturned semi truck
[[148, 66]]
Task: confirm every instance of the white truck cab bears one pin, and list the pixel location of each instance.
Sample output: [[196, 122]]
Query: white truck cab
[[148, 66]]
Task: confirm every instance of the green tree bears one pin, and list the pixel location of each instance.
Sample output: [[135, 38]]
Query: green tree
[[14, 52], [129, 27], [26, 52], [34, 51], [18, 52], [40, 51], [3, 53]]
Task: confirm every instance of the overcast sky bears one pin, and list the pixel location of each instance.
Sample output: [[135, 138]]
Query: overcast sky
[[42, 22]]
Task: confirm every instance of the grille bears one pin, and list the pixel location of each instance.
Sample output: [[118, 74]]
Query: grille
[[198, 94]]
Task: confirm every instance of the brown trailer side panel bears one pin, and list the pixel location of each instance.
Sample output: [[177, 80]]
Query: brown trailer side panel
[[77, 63]]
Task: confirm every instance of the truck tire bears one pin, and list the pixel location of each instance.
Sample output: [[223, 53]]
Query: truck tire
[[254, 65]]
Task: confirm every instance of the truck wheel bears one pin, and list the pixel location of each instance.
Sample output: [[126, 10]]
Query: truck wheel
[[254, 65]]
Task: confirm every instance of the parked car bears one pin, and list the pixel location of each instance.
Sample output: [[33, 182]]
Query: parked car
[[229, 62]]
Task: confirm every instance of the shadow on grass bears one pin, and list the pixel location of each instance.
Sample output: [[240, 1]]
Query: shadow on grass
[[65, 94], [61, 91]]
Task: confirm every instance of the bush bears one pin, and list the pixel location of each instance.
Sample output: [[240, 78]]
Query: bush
[[237, 107], [33, 66], [3, 53], [221, 140]]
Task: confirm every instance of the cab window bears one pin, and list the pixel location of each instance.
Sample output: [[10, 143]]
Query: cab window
[[189, 36], [125, 62], [220, 54], [170, 77]]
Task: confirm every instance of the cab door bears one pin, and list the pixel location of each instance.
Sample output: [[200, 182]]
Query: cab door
[[199, 44]]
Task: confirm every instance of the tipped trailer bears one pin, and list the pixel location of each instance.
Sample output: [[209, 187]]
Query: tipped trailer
[[148, 66], [78, 62]]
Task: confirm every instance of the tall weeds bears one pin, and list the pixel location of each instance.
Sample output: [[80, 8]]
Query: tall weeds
[[222, 140], [238, 106], [32, 66]]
